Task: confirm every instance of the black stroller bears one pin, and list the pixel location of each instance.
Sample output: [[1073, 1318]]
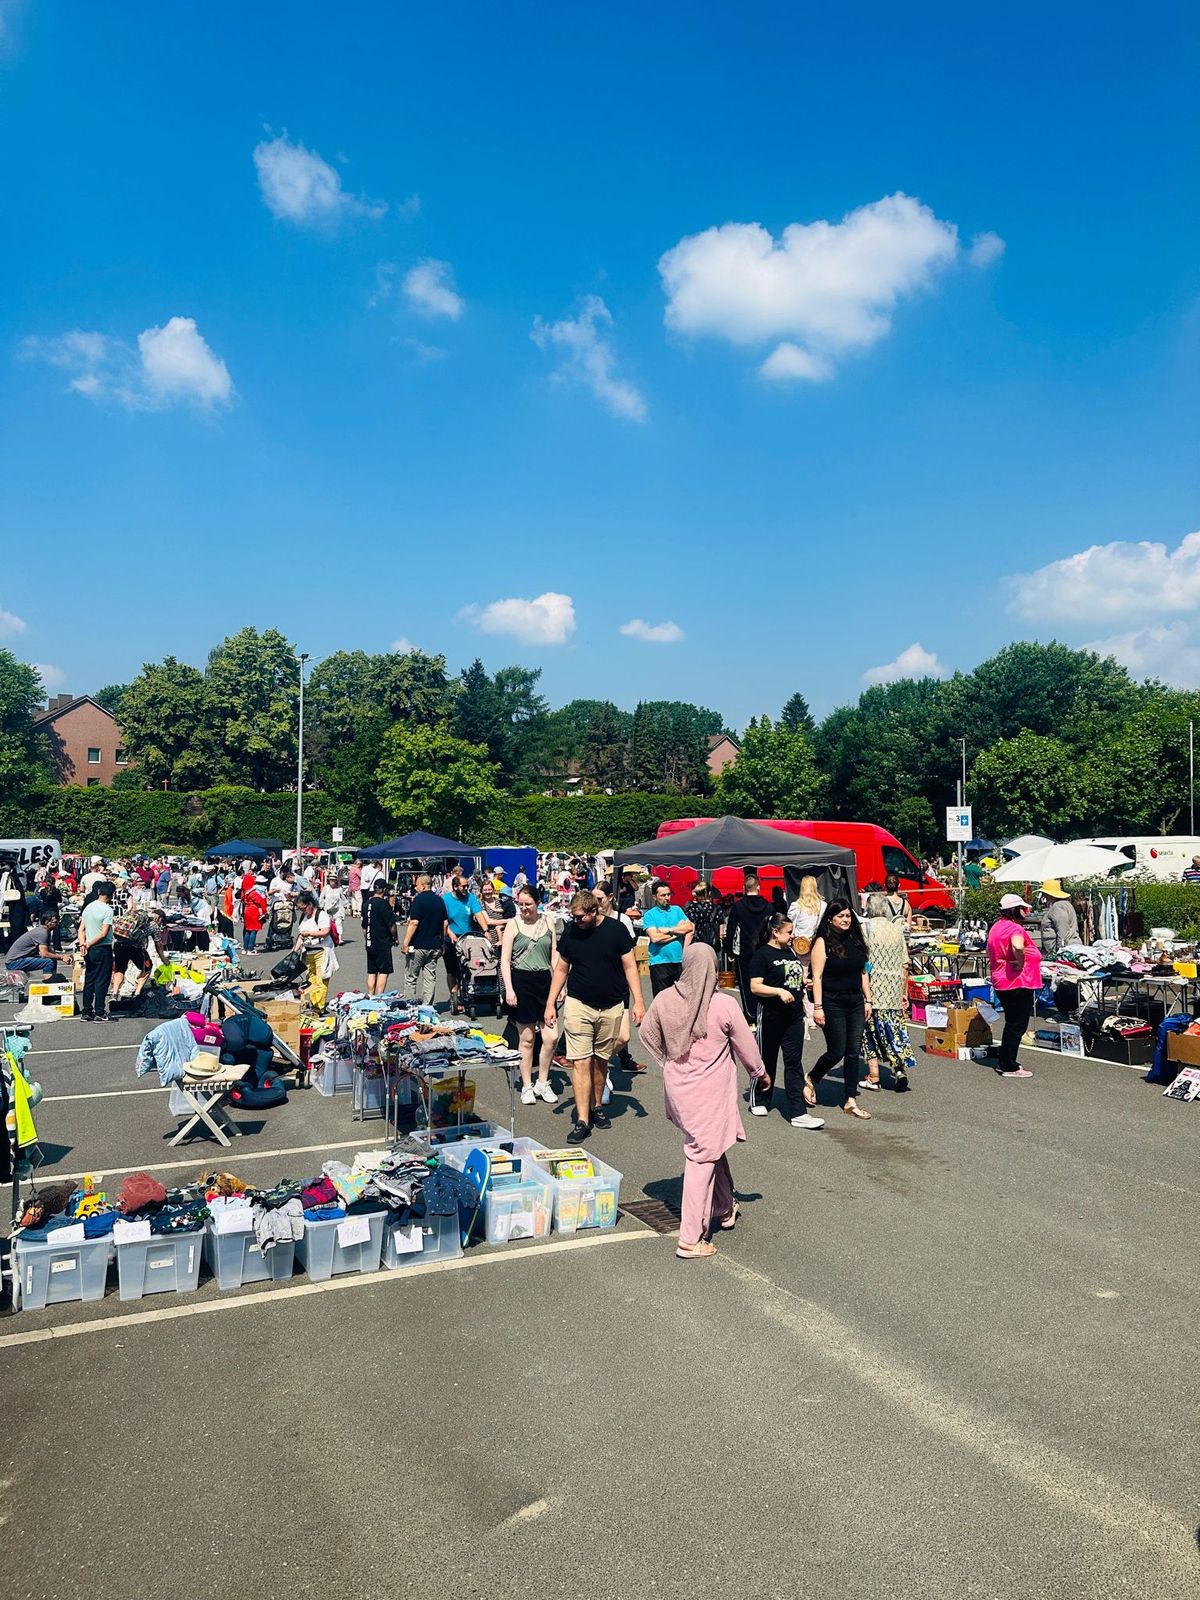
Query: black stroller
[[281, 926]]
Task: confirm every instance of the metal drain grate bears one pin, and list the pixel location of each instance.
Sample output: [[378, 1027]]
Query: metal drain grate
[[655, 1214]]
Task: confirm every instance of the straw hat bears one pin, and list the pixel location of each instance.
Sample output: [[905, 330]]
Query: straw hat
[[1054, 889]]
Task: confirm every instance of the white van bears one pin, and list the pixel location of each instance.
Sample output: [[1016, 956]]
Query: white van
[[1154, 855], [31, 852]]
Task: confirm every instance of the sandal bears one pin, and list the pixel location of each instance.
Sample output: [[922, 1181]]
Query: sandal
[[810, 1093], [857, 1111], [696, 1252], [728, 1223]]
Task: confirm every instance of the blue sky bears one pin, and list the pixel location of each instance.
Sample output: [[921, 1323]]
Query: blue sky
[[378, 325]]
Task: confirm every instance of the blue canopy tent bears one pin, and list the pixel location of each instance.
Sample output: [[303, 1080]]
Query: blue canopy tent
[[513, 858], [418, 846], [239, 848]]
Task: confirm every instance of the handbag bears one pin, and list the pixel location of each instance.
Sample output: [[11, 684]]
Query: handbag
[[801, 945], [292, 966]]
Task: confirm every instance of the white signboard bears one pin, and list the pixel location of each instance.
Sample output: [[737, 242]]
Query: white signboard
[[338, 835], [958, 824], [354, 1230]]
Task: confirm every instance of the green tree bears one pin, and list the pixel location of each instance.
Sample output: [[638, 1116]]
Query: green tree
[[915, 823], [796, 715], [26, 763], [668, 745], [775, 775], [253, 689], [1137, 770], [351, 691], [167, 726], [508, 715], [427, 778], [1027, 784], [110, 697]]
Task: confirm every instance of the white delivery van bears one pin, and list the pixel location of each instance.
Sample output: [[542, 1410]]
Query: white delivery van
[[1155, 855], [30, 852]]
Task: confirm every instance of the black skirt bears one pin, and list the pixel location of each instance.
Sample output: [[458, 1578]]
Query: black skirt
[[532, 990]]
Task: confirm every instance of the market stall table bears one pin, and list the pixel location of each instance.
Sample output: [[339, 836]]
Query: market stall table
[[205, 1095]]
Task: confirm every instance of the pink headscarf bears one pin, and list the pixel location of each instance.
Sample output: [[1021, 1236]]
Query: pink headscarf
[[679, 1014]]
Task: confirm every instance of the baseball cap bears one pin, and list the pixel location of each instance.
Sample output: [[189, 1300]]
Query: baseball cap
[[1010, 902]]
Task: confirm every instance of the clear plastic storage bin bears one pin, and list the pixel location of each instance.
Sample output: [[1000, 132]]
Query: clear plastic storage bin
[[516, 1209], [235, 1259], [323, 1255], [439, 1241], [51, 1273], [331, 1076], [464, 1137], [166, 1263], [580, 1203]]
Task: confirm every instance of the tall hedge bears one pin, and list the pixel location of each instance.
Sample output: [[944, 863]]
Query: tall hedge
[[1162, 905], [585, 822]]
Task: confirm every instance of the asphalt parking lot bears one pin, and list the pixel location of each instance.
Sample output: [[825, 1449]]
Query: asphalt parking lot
[[947, 1352]]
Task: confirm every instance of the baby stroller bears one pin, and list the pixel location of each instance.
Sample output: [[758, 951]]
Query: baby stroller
[[479, 960], [281, 926]]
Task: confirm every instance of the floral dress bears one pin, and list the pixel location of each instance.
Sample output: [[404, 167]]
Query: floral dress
[[886, 1035]]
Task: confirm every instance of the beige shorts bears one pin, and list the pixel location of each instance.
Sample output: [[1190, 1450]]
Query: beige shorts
[[590, 1031]]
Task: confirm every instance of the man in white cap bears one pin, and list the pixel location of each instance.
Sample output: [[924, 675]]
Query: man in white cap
[[1016, 970]]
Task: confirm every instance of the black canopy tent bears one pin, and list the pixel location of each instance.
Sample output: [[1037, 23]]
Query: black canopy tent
[[418, 846], [734, 842]]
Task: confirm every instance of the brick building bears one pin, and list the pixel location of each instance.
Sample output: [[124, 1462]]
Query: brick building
[[722, 753], [86, 741]]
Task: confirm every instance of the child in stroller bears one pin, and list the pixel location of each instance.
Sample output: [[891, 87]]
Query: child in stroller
[[281, 926], [479, 960]]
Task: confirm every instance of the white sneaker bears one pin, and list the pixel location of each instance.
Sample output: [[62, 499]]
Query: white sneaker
[[546, 1093], [756, 1110], [808, 1121], [528, 1098], [607, 1095]]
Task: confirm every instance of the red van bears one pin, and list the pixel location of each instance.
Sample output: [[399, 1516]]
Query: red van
[[876, 853]]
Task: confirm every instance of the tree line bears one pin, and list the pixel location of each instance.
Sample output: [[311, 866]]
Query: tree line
[[1057, 740]]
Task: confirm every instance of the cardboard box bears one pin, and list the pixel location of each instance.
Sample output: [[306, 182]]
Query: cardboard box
[[941, 1042], [968, 1027], [58, 997], [1184, 1048], [284, 1018]]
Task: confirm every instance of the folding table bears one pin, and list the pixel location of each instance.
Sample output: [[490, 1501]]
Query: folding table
[[205, 1095]]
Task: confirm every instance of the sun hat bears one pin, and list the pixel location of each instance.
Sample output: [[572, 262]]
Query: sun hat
[[1054, 889], [1010, 902]]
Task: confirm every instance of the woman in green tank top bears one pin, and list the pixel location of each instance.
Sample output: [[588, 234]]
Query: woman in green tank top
[[527, 954]]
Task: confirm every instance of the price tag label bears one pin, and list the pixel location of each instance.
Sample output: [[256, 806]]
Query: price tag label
[[72, 1235], [408, 1241], [127, 1232], [936, 1016], [354, 1230], [522, 1225], [233, 1219], [71, 1264]]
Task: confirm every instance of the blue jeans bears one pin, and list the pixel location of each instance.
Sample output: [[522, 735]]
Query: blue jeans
[[249, 938], [33, 964]]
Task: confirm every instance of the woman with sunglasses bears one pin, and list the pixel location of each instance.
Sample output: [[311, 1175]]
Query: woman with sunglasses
[[841, 998]]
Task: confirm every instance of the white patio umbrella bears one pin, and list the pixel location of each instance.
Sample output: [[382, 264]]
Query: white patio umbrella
[[1060, 861], [1024, 842]]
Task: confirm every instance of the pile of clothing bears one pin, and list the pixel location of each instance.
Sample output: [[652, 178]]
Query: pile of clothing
[[62, 1205]]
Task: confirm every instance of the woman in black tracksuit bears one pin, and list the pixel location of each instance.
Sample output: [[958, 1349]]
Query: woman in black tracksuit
[[776, 975], [841, 997]]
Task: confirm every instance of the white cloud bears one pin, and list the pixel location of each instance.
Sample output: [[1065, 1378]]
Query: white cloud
[[824, 288], [653, 632], [403, 647], [1169, 651], [430, 289], [548, 619], [298, 186], [52, 677], [11, 625], [172, 365], [788, 362], [986, 248], [385, 281], [590, 358], [1118, 581], [915, 662]]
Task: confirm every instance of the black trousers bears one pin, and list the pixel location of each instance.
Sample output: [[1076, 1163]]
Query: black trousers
[[97, 975], [844, 1020], [782, 1028], [664, 974], [741, 966], [1017, 1006]]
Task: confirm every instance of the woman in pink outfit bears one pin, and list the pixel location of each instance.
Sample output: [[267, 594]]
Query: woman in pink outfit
[[695, 1031]]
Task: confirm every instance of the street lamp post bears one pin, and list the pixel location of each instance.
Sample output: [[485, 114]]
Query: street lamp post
[[300, 764]]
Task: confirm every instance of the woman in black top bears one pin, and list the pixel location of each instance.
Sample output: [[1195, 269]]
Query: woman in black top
[[841, 997], [777, 976]]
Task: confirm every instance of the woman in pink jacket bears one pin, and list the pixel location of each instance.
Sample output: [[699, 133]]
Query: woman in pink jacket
[[695, 1031]]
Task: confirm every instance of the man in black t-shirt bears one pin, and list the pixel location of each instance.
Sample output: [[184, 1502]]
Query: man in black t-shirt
[[424, 936], [595, 964], [381, 937]]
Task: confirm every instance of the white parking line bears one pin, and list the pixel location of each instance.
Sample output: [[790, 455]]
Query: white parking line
[[98, 1094], [296, 1291], [210, 1156], [83, 1050]]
